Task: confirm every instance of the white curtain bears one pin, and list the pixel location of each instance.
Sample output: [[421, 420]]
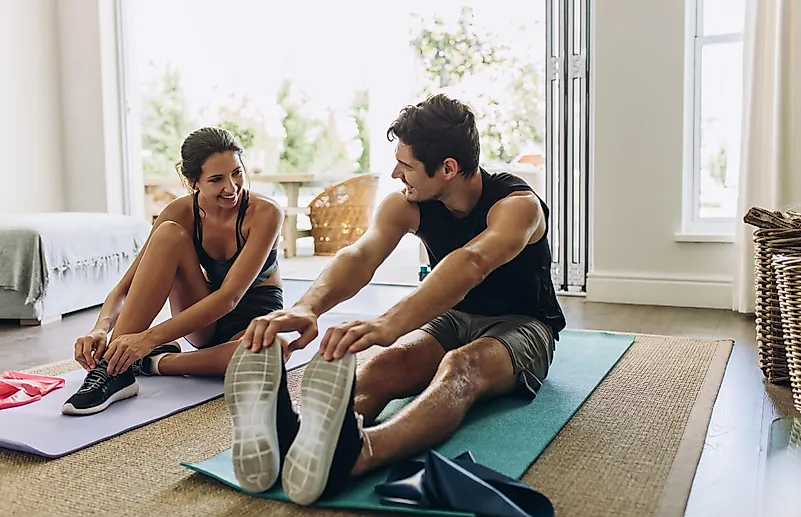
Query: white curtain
[[770, 174]]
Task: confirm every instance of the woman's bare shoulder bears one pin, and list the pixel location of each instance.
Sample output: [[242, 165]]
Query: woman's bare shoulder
[[180, 211], [265, 206]]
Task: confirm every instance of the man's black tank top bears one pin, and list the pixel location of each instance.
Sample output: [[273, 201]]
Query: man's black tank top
[[521, 286]]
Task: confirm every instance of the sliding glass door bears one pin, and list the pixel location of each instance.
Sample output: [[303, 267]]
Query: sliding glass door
[[310, 87], [568, 141]]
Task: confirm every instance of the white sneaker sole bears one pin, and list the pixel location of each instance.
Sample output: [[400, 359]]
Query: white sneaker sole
[[125, 393], [251, 387], [324, 395]]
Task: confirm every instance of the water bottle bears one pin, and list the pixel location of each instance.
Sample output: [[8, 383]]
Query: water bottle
[[424, 270]]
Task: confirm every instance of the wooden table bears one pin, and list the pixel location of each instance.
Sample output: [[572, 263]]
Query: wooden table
[[292, 183]]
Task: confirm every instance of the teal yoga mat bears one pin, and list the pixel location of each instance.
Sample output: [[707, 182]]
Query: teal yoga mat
[[506, 435]]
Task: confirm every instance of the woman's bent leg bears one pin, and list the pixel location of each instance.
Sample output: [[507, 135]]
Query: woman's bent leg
[[210, 361], [169, 269]]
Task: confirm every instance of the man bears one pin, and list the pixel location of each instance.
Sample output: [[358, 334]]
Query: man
[[482, 323]]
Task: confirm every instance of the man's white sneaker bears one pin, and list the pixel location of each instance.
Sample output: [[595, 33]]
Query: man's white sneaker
[[263, 420], [329, 441]]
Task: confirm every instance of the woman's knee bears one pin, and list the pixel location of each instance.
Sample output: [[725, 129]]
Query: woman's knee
[[171, 235]]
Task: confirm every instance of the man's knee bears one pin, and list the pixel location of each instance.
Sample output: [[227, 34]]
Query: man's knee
[[392, 359], [401, 370], [460, 370]]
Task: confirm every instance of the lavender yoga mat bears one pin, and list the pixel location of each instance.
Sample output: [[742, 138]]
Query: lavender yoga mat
[[40, 428]]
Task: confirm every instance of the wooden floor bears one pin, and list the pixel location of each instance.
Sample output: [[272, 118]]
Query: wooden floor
[[729, 480]]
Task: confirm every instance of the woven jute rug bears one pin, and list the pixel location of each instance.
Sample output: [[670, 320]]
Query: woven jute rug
[[631, 451]]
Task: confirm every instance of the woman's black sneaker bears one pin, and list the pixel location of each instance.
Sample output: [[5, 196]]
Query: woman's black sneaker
[[99, 390], [142, 366]]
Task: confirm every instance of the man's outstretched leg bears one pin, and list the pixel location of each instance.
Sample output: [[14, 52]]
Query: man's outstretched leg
[[503, 354], [481, 369], [329, 440], [399, 371], [332, 446]]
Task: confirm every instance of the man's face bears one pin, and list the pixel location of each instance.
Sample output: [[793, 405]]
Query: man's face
[[412, 172]]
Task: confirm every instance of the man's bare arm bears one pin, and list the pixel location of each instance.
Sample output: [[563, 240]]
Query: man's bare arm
[[354, 266], [512, 224]]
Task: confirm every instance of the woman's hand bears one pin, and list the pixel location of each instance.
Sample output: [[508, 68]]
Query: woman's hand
[[90, 347], [126, 349]]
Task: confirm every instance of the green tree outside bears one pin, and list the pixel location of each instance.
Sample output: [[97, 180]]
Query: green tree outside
[[311, 144], [165, 124], [454, 56], [359, 109]]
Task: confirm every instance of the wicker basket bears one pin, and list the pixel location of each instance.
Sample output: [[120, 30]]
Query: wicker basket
[[794, 440], [769, 331], [341, 214], [788, 283]]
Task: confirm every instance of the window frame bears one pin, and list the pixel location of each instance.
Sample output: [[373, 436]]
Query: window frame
[[710, 228]]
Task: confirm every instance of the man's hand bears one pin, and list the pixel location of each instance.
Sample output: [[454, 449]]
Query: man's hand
[[126, 349], [90, 347], [356, 336], [263, 330]]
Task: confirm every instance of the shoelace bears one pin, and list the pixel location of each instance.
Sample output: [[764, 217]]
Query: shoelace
[[138, 367], [364, 436], [96, 377]]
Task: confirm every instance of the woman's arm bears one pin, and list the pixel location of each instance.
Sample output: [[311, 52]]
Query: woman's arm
[[264, 230]]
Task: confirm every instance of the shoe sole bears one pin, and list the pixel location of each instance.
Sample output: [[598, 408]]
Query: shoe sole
[[251, 387], [125, 393], [324, 395]]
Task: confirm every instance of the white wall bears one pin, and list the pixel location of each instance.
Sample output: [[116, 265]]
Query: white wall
[[59, 106], [638, 66], [30, 107]]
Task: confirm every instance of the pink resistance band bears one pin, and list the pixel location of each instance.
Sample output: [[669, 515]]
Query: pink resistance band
[[18, 389]]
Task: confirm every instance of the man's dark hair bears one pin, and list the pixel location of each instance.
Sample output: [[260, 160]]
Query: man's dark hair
[[436, 129]]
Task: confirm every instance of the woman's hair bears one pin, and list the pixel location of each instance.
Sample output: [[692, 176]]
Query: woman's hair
[[439, 128], [198, 146]]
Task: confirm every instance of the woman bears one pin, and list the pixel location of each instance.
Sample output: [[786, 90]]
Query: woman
[[213, 255]]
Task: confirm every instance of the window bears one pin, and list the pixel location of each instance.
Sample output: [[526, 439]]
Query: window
[[713, 115]]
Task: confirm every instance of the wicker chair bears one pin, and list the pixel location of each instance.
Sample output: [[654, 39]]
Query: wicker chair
[[341, 213]]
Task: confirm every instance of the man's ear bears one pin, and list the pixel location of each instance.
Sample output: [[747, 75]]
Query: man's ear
[[450, 168]]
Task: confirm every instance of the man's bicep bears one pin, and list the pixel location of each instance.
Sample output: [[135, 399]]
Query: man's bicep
[[511, 225], [521, 216]]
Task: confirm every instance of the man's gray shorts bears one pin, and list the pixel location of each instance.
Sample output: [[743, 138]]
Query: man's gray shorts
[[529, 341]]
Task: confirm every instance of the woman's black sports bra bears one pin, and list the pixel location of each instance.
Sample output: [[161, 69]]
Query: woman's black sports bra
[[216, 270]]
